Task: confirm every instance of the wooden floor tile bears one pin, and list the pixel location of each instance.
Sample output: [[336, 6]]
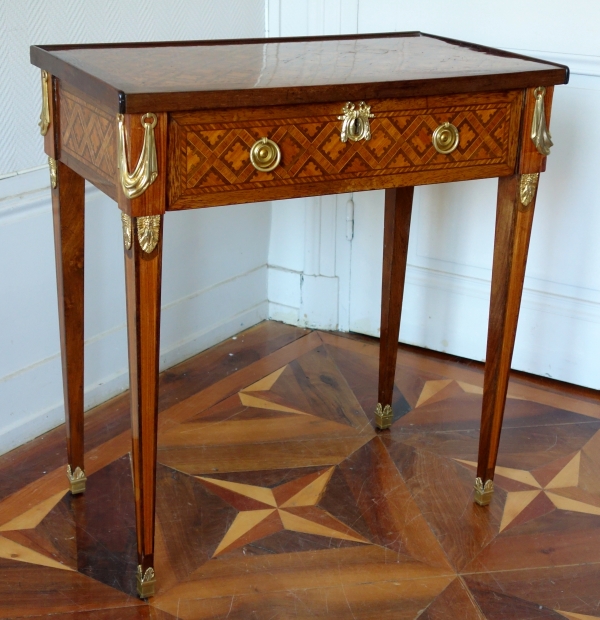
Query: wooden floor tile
[[105, 528], [231, 356], [443, 492], [551, 539], [558, 592], [386, 505], [28, 590], [238, 380], [276, 498], [22, 549], [192, 520], [139, 612], [361, 373], [239, 431], [455, 602], [497, 606], [375, 581], [372, 601], [454, 408], [32, 517], [243, 457]]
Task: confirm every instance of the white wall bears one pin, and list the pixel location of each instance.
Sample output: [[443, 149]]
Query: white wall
[[215, 275], [447, 296], [215, 260], [309, 254]]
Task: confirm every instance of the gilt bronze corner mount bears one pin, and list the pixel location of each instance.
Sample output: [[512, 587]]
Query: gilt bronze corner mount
[[44, 123], [528, 187], [539, 131], [134, 184], [148, 230], [53, 172], [127, 230]]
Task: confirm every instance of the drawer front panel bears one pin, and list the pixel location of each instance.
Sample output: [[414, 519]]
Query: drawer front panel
[[212, 155]]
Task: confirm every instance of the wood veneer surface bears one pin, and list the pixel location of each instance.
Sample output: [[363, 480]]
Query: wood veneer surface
[[277, 499], [203, 74]]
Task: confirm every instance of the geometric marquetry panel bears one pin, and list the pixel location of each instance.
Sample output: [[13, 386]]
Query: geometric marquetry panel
[[213, 157], [88, 134]]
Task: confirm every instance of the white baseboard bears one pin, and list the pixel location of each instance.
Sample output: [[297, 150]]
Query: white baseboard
[[284, 286], [305, 300], [284, 314], [47, 378], [320, 299], [449, 313]]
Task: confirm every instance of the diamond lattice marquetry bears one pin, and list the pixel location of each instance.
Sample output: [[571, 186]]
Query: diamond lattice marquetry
[[380, 147], [311, 148], [88, 133]]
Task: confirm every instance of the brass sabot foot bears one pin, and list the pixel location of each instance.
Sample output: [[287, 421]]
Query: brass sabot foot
[[384, 416], [483, 492], [146, 582], [77, 480]]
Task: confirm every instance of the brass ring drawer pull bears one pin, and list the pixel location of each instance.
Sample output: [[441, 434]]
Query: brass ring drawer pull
[[445, 138], [265, 155]]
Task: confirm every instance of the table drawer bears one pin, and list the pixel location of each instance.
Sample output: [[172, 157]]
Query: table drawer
[[210, 151]]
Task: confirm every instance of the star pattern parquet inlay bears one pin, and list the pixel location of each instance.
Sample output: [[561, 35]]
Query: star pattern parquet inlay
[[291, 506], [276, 498]]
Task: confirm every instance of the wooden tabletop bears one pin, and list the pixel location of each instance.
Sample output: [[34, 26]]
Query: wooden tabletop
[[191, 75]]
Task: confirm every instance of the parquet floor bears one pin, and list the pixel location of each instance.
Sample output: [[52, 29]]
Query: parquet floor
[[276, 499]]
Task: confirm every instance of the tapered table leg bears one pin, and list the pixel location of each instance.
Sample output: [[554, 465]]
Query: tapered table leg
[[68, 215], [398, 208], [143, 260], [514, 216]]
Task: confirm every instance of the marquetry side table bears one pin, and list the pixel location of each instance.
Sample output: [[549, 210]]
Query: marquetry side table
[[213, 123]]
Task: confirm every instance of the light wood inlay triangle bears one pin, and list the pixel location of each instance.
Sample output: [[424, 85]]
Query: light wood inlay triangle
[[260, 494], [33, 517], [431, 388], [519, 475], [296, 523], [266, 383], [579, 495], [469, 388], [568, 476], [566, 503], [261, 403], [310, 494], [516, 502], [11, 550], [243, 523]]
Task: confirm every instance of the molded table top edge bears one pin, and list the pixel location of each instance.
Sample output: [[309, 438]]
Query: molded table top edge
[[191, 75]]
